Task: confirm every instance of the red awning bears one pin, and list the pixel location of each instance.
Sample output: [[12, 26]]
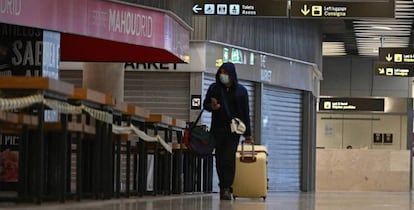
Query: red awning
[[89, 49], [107, 31]]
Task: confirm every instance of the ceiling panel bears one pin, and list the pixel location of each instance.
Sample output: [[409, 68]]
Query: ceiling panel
[[363, 37]]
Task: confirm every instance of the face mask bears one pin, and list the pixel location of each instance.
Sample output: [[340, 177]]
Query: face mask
[[224, 78]]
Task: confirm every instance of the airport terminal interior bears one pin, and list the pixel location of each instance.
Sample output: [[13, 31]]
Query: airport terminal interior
[[97, 97], [286, 201]]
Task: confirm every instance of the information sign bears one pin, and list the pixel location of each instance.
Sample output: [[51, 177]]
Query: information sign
[[351, 104], [396, 55], [342, 10], [394, 69], [269, 8]]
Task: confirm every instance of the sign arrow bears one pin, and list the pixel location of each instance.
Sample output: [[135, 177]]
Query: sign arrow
[[305, 11], [388, 58], [381, 71], [196, 8]]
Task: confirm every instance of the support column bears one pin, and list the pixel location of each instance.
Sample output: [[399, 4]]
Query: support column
[[105, 77]]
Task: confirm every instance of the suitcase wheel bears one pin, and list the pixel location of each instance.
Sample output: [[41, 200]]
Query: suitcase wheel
[[264, 198]]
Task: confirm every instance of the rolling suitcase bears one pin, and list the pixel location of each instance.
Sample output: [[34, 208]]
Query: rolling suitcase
[[251, 172]]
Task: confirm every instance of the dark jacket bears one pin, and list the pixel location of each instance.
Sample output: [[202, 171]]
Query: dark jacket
[[234, 101]]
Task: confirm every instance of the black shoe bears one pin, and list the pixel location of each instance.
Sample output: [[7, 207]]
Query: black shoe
[[225, 194]]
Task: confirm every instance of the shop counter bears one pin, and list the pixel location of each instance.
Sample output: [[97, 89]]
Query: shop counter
[[362, 170]]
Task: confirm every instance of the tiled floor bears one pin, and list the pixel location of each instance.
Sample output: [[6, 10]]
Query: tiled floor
[[274, 201]]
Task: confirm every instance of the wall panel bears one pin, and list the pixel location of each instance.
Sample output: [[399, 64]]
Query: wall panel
[[182, 8], [299, 39], [354, 76]]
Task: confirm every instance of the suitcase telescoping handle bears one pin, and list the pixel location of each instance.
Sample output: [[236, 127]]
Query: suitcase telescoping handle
[[247, 158]]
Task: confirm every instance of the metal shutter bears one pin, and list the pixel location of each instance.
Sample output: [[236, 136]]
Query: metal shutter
[[74, 77], [207, 81], [206, 119], [160, 92], [282, 135]]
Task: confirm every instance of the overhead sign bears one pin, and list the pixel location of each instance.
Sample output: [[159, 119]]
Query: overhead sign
[[273, 8], [393, 69], [396, 55], [342, 10], [351, 104]]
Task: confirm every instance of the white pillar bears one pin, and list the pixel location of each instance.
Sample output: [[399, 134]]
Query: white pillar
[[105, 78]]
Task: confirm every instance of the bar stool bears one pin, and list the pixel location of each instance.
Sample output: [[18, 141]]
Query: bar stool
[[161, 164], [34, 173], [138, 116], [94, 147], [130, 116], [177, 127]]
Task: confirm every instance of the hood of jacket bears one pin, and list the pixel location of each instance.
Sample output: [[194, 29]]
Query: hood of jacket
[[231, 71]]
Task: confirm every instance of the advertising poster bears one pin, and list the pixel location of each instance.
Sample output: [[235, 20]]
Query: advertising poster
[[9, 161], [378, 138], [31, 52], [388, 138], [20, 50]]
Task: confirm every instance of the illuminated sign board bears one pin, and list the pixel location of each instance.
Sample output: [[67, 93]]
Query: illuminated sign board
[[351, 104], [342, 10], [396, 55], [393, 69], [235, 55], [273, 8]]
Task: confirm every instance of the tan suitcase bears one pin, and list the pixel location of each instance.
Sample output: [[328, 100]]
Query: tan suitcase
[[251, 172]]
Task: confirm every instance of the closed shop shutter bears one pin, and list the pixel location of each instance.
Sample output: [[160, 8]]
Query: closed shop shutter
[[207, 81], [74, 77], [282, 135], [160, 92]]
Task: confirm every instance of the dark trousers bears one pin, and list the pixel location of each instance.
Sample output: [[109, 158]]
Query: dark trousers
[[226, 147]]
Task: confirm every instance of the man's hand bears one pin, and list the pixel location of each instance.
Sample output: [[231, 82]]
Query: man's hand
[[214, 104], [249, 139]]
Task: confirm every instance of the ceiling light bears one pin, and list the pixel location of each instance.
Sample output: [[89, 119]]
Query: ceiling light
[[333, 49], [382, 28]]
